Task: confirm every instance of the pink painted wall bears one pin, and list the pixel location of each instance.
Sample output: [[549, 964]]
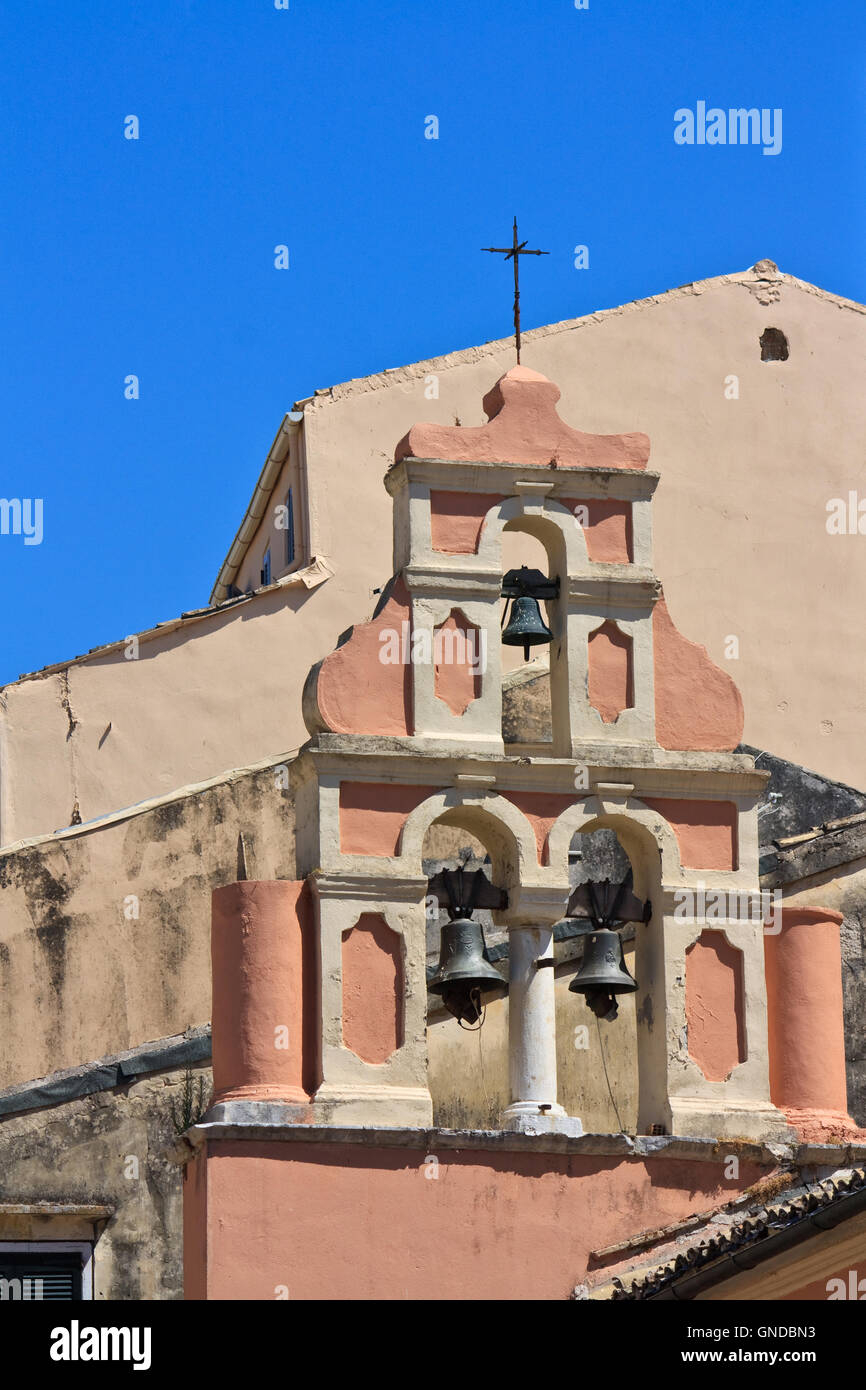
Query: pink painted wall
[[456, 517], [682, 668], [610, 683], [456, 520], [372, 989], [457, 678], [356, 690], [372, 815], [715, 1007], [195, 1231], [805, 1021], [523, 427], [542, 810], [706, 831], [263, 981], [607, 530], [346, 1221]]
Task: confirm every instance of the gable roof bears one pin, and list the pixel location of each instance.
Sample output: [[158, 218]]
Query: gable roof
[[763, 279]]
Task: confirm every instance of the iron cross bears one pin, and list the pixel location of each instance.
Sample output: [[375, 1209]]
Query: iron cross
[[516, 250]]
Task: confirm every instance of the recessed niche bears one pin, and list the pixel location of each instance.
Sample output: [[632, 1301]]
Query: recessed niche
[[715, 1005], [372, 989], [611, 683], [459, 660], [774, 345]]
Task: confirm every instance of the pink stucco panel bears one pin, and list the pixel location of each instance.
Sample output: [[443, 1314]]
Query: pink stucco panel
[[610, 679], [697, 705], [457, 676], [715, 1005], [456, 519], [706, 831], [339, 1221], [372, 815], [372, 989], [523, 427], [607, 529], [542, 810], [358, 691]]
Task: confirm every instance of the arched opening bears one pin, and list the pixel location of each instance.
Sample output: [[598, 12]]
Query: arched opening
[[597, 1061], [527, 701], [599, 1078], [467, 1070]]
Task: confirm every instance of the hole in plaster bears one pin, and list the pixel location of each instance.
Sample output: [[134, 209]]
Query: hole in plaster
[[774, 345]]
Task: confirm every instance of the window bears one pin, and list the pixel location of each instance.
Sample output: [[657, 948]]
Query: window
[[45, 1271], [266, 567], [290, 529]]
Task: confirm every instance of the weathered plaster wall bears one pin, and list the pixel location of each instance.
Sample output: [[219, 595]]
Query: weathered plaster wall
[[104, 1149], [109, 732], [81, 976]]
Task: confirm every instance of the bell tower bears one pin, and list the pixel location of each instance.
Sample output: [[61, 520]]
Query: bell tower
[[405, 718], [586, 498]]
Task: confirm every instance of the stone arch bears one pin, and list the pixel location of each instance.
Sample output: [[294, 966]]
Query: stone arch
[[645, 836], [545, 519], [496, 822]]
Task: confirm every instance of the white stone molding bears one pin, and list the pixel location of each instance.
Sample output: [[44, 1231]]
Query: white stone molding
[[353, 1091]]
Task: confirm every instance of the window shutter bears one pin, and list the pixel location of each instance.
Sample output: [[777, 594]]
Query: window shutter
[[52, 1277]]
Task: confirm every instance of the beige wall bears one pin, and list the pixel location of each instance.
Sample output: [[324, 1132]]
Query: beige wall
[[740, 513], [271, 537], [741, 546], [220, 694]]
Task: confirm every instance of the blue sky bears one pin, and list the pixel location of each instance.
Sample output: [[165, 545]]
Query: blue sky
[[305, 126]]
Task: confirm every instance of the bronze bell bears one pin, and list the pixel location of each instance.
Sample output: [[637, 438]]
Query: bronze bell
[[464, 971], [526, 627], [603, 974]]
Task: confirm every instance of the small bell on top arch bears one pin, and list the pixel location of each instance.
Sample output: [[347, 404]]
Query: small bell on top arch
[[526, 628]]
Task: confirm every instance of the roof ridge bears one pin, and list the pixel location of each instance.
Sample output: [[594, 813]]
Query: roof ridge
[[750, 279]]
